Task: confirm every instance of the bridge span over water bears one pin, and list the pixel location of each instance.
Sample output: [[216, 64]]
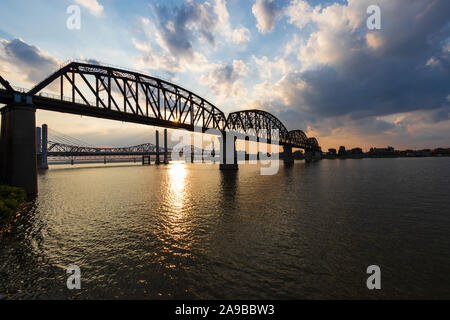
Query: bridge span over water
[[60, 146], [112, 93]]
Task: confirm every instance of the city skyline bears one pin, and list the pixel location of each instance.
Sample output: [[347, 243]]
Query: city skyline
[[314, 64]]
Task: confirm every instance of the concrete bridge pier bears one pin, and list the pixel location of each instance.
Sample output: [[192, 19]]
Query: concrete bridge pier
[[228, 153], [317, 155], [166, 156], [192, 154], [213, 152], [44, 157], [309, 155], [257, 149], [157, 161], [39, 146], [18, 147], [288, 158]]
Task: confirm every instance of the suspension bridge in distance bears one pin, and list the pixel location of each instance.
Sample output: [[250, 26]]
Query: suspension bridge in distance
[[116, 94], [62, 146]]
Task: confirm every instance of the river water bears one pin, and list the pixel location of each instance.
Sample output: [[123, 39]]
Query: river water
[[192, 231]]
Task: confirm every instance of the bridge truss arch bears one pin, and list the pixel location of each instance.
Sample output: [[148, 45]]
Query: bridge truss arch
[[62, 149], [298, 138], [258, 123], [109, 92]]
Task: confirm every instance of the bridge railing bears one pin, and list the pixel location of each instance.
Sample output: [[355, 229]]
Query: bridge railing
[[64, 98]]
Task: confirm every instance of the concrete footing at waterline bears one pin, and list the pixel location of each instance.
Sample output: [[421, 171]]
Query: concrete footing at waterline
[[166, 155], [18, 156], [288, 157], [228, 153], [41, 147]]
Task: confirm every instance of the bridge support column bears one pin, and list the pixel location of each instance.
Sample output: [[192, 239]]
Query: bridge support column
[[247, 148], [166, 156], [146, 160], [192, 154], [309, 154], [18, 147], [39, 146], [228, 153], [213, 152], [288, 158], [317, 155], [157, 161], [44, 158], [257, 149]]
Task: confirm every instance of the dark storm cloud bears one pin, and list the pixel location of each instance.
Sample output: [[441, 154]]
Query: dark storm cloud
[[405, 68], [36, 64]]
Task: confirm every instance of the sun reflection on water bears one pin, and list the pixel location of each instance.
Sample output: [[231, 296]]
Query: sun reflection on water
[[177, 184]]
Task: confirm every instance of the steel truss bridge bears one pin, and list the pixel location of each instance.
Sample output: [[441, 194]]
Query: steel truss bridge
[[58, 149], [111, 93]]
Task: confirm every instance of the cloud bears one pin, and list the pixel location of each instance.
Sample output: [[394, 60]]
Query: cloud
[[93, 6], [156, 60], [172, 39], [348, 72], [267, 67], [24, 64], [177, 28], [266, 13], [239, 35], [226, 80]]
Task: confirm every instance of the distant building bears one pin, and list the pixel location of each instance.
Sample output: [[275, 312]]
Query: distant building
[[389, 151], [356, 151], [332, 152], [342, 151]]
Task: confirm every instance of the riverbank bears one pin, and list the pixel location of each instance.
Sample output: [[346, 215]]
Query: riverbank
[[11, 198]]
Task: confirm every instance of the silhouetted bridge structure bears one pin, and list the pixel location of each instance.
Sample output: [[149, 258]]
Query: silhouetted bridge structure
[[112, 93], [63, 146]]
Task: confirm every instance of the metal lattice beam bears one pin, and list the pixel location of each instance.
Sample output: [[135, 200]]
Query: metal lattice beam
[[6, 85], [111, 93], [128, 93], [257, 123]]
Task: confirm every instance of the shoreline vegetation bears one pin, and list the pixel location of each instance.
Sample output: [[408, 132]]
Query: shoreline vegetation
[[11, 199]]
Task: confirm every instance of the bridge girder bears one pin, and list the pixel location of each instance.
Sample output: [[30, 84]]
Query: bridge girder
[[58, 147], [298, 138], [5, 84], [257, 123], [313, 142], [131, 94], [134, 97]]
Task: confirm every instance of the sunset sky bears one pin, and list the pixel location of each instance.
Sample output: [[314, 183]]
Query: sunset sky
[[313, 64]]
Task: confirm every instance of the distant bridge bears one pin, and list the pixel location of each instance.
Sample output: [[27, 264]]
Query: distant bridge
[[116, 94], [63, 146], [57, 149]]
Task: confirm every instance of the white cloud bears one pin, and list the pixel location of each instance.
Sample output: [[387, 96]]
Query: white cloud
[[239, 35], [225, 81], [157, 60], [93, 6], [267, 68], [266, 13]]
